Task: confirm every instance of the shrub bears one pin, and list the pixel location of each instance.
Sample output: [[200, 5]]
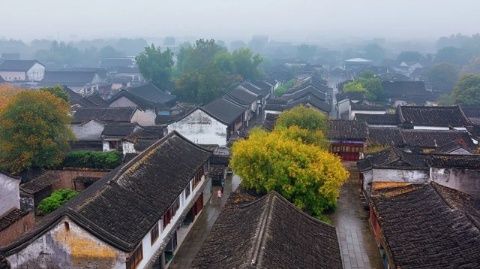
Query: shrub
[[55, 200], [93, 159]]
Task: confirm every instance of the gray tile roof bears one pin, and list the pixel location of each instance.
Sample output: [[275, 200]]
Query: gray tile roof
[[268, 233]]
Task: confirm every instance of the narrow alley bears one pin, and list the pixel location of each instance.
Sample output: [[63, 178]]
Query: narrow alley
[[357, 245], [199, 232]]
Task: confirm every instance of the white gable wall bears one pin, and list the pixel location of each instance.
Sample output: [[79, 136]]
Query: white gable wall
[[71, 247], [9, 194], [91, 130], [123, 102], [144, 117], [36, 72], [201, 128]]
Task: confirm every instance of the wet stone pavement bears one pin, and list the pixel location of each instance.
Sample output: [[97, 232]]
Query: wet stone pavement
[[199, 232], [357, 245]]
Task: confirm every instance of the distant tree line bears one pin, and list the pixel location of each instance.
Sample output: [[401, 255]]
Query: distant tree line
[[203, 71]]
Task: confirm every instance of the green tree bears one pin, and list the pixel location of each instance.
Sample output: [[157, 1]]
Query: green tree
[[443, 77], [368, 84], [409, 57], [452, 55], [306, 53], [280, 90], [34, 131], [109, 52], [205, 70], [57, 91], [303, 117], [156, 66], [56, 200], [304, 174], [354, 86], [467, 90], [246, 63]]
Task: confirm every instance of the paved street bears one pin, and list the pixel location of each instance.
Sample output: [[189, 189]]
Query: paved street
[[357, 244], [198, 233]]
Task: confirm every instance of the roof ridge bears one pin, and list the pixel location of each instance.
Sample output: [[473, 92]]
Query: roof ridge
[[265, 220]]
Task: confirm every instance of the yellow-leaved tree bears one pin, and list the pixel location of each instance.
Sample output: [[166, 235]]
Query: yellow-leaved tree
[[305, 174], [303, 117], [34, 131]]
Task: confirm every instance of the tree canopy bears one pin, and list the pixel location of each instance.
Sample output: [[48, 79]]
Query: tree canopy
[[58, 91], [467, 90], [206, 70], [409, 57], [304, 174], [35, 131], [157, 66], [303, 117], [442, 77], [7, 92], [368, 84]]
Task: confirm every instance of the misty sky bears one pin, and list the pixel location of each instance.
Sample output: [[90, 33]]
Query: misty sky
[[234, 19]]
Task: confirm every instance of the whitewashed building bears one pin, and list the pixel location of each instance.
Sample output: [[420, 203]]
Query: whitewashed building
[[215, 123], [22, 71], [129, 219]]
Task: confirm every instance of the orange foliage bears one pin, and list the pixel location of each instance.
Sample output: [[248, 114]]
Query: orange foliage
[[7, 91]]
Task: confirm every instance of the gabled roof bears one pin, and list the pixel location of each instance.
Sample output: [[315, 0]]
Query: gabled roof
[[435, 138], [68, 78], [311, 100], [146, 96], [241, 96], [378, 119], [76, 99], [454, 161], [263, 84], [438, 116], [97, 100], [273, 234], [17, 65], [385, 136], [121, 208], [347, 130], [119, 129], [393, 158], [429, 226], [418, 137], [399, 89], [366, 107], [104, 114], [223, 110], [304, 91], [255, 89]]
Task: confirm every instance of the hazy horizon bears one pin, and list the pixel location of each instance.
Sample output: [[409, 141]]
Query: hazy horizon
[[288, 20]]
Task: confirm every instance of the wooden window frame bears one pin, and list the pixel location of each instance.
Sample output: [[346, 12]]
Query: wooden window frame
[[136, 257], [154, 233]]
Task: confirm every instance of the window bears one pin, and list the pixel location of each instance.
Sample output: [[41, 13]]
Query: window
[[187, 191], [167, 217], [135, 258], [198, 177], [154, 233], [175, 206]]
